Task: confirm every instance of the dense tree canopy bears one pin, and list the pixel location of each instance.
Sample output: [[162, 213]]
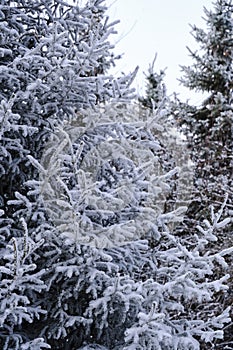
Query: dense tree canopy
[[89, 258]]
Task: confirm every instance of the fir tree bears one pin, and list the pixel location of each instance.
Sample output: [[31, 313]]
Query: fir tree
[[113, 296], [54, 57], [209, 127], [155, 88], [53, 60]]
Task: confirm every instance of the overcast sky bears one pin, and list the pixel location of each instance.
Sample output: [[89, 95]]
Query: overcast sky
[[157, 26]]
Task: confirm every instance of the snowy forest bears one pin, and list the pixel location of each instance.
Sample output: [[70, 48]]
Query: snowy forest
[[116, 210]]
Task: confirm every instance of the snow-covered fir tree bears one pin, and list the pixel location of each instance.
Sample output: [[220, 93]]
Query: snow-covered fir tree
[[155, 88], [54, 57], [87, 257], [209, 127], [129, 269]]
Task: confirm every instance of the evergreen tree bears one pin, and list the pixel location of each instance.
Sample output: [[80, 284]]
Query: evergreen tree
[[127, 294], [53, 60], [87, 257], [155, 88], [209, 127]]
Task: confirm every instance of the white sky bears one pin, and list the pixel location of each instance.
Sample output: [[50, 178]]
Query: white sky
[[157, 26]]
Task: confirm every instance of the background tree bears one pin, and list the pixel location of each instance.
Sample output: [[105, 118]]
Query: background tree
[[209, 127], [156, 93]]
